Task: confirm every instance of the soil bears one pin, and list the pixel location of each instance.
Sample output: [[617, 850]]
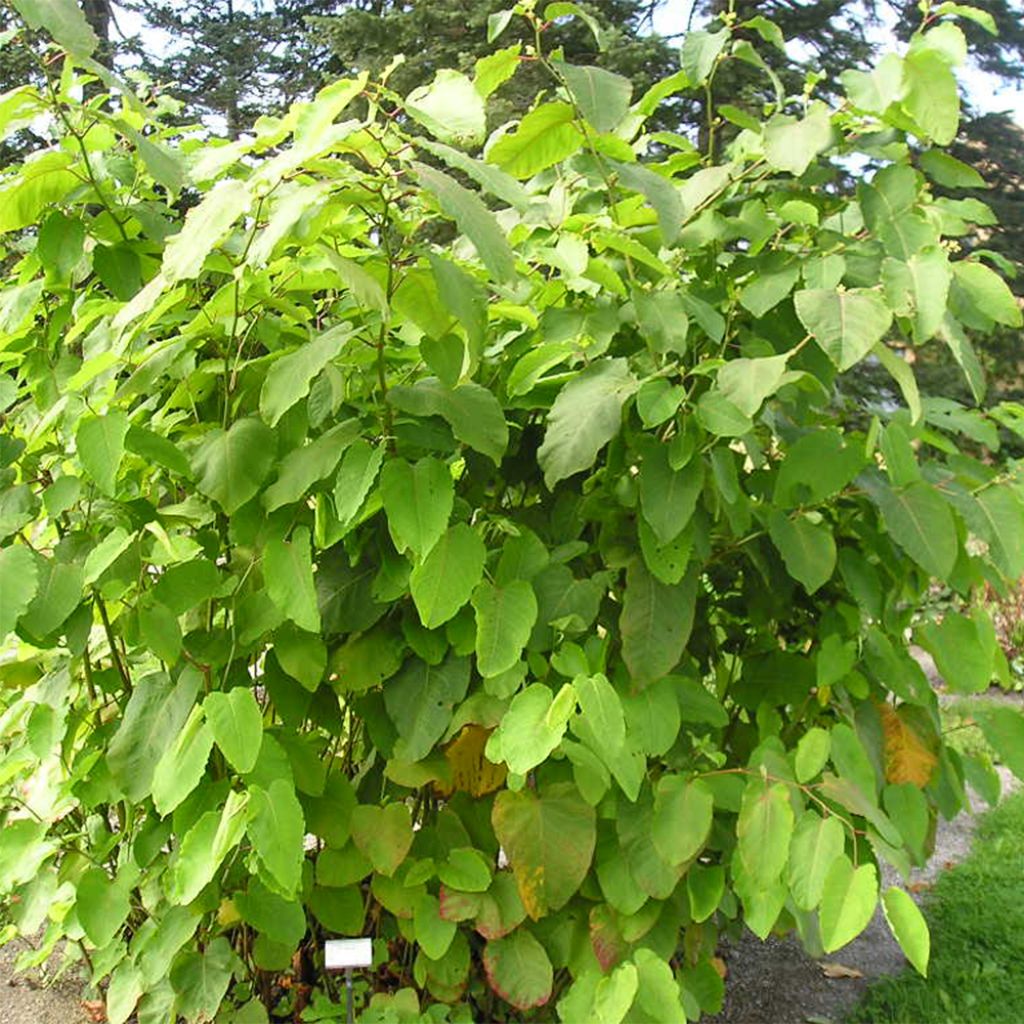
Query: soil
[[28, 998]]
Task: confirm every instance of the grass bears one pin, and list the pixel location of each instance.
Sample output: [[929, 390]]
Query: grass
[[976, 916]]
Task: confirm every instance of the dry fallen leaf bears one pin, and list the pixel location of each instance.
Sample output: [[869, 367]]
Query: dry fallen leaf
[[834, 970], [95, 1010], [919, 886]]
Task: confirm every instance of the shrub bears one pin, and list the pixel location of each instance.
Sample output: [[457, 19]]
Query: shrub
[[469, 550]]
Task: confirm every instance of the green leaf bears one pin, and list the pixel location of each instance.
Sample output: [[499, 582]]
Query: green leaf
[[156, 448], [532, 727], [965, 649], [383, 835], [876, 90], [817, 466], [466, 869], [505, 617], [700, 53], [289, 378], [661, 316], [156, 712], [908, 926], [791, 145], [931, 96], [668, 497], [545, 136], [681, 824], [492, 180], [183, 764], [102, 904], [949, 172], [922, 524], [420, 700], [19, 578], [601, 96], [846, 324], [462, 294], [988, 292], [201, 980], [443, 582], [1003, 728], [816, 843], [748, 382], [549, 840], [472, 412], [808, 550], [764, 830], [655, 622], [661, 194], [205, 225], [204, 847], [602, 721], [811, 753], [585, 416], [451, 109], [100, 442], [231, 464], [766, 290], [62, 19], [418, 502], [704, 887], [473, 219], [302, 468], [288, 574], [848, 902], [355, 478], [277, 829], [236, 722], [58, 593], [105, 554], [519, 970], [918, 289]]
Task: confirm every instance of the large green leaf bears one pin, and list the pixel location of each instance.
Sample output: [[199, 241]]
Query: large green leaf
[[846, 324], [532, 727], [472, 412], [791, 144], [236, 722], [668, 497], [201, 979], [585, 416], [817, 466], [655, 622], [420, 701], [100, 441], [748, 382], [1004, 730], [816, 843], [918, 289], [450, 108], [183, 764], [102, 904], [231, 464], [277, 829], [64, 20], [204, 847], [154, 715], [661, 317], [383, 835], [519, 970], [302, 468], [908, 926], [987, 292], [682, 818], [505, 617], [289, 378], [288, 574], [549, 839], [848, 902], [931, 97], [808, 550], [474, 220], [601, 96], [602, 721], [922, 524], [19, 577], [764, 830], [418, 501], [444, 581], [204, 227], [545, 135]]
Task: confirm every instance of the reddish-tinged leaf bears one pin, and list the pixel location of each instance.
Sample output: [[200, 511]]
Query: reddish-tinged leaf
[[519, 970], [605, 937]]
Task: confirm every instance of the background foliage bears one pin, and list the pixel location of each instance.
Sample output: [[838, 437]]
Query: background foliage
[[460, 537]]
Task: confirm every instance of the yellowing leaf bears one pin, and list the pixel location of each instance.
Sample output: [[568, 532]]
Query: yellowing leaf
[[472, 773], [907, 759]]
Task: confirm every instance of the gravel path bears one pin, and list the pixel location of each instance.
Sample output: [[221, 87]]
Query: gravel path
[[25, 999]]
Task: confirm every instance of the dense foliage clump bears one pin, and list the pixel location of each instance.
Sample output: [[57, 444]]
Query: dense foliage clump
[[455, 538]]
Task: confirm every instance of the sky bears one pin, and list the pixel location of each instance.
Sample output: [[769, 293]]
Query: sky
[[987, 93]]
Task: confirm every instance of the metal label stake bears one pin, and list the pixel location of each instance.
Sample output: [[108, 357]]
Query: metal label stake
[[343, 955]]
